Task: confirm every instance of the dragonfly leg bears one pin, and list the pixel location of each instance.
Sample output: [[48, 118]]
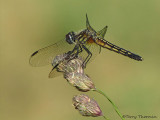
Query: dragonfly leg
[[88, 56], [74, 53], [80, 48]]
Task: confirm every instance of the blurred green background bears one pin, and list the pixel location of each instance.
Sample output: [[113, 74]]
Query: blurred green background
[[26, 93]]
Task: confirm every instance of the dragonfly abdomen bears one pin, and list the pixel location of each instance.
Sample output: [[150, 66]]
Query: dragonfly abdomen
[[105, 44]]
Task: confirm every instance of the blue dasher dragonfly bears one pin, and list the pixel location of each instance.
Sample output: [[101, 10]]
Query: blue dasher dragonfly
[[87, 43]]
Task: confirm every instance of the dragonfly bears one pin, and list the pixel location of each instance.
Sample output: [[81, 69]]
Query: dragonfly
[[86, 43]]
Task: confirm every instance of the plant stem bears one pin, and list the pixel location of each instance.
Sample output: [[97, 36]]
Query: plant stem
[[115, 107], [105, 118]]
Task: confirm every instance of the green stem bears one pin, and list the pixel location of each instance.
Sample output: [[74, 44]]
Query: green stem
[[115, 107], [105, 118]]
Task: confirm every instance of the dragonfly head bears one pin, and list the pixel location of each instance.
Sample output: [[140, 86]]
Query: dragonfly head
[[70, 37]]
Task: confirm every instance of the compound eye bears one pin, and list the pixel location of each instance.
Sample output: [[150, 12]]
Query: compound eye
[[70, 37]]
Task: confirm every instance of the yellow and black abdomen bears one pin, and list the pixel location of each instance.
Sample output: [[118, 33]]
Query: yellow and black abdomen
[[105, 44]]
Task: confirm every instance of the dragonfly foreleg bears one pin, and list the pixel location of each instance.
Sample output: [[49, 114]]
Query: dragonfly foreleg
[[74, 53]]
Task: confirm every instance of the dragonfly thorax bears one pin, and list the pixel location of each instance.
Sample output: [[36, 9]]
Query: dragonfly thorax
[[70, 37]]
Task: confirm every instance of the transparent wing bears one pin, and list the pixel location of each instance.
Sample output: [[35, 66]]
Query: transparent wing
[[46, 55], [54, 73]]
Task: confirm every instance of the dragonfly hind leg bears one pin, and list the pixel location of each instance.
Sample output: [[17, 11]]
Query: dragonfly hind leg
[[88, 56]]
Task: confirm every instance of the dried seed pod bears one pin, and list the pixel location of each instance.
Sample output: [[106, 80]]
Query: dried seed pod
[[74, 65], [75, 75], [80, 80], [86, 106], [73, 72]]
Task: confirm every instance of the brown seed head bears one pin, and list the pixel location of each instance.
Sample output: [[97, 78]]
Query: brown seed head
[[86, 106]]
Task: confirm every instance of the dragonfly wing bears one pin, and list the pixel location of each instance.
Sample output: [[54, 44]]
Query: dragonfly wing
[[102, 32], [46, 55], [54, 73]]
